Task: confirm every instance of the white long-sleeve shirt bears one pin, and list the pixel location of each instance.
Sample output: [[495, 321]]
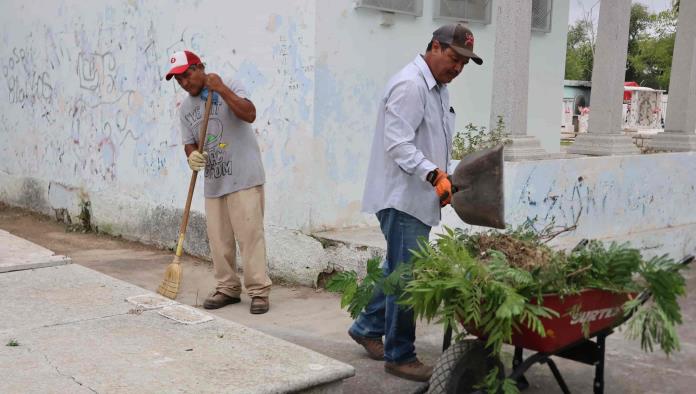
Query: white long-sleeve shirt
[[413, 136]]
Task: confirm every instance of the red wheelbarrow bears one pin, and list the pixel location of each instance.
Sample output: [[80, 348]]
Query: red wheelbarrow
[[464, 364]]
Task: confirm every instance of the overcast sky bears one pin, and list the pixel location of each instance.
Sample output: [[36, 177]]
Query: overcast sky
[[576, 7]]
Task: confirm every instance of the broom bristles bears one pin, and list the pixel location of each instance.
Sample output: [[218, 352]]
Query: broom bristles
[[172, 278]]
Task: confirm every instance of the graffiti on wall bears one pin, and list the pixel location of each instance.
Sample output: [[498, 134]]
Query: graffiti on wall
[[78, 99], [86, 93], [29, 86]]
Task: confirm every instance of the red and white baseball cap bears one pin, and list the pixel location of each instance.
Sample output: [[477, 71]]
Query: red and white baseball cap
[[180, 62]]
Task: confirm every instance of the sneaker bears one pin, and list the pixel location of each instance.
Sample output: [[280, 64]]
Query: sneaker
[[374, 346], [412, 370], [218, 300], [259, 305]]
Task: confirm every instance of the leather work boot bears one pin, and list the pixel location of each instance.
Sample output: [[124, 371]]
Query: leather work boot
[[412, 370], [374, 346], [259, 305], [218, 300]]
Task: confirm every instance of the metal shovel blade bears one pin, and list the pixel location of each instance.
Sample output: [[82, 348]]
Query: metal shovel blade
[[477, 186]]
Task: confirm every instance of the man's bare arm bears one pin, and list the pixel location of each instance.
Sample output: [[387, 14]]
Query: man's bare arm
[[243, 108]]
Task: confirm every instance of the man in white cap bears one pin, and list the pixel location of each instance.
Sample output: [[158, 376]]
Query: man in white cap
[[234, 178], [407, 185]]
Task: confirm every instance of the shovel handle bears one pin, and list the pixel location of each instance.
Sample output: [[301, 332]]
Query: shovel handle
[[194, 176]]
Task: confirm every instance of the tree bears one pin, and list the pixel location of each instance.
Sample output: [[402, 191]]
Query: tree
[[650, 46], [651, 43], [579, 52]]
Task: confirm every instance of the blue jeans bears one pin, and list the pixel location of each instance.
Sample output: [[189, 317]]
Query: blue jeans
[[383, 316]]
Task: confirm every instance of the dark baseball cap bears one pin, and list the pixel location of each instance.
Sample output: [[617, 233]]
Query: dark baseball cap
[[459, 38]]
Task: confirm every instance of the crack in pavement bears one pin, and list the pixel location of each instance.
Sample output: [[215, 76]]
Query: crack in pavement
[[130, 312], [56, 368], [74, 379], [58, 371]]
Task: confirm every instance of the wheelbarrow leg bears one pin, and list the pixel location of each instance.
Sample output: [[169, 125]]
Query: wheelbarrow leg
[[557, 375], [599, 368], [522, 382]]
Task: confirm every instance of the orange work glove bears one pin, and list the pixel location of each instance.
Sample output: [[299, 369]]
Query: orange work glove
[[442, 184]]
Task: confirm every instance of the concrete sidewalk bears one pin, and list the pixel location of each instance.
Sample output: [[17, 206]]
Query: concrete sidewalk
[[18, 254], [313, 319], [86, 331]]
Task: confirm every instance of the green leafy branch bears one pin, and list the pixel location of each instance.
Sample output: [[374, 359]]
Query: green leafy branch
[[474, 138], [355, 296]]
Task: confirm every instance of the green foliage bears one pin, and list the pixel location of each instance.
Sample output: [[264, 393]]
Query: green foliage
[[495, 385], [12, 342], [452, 286], [356, 296], [656, 323], [640, 21], [650, 46], [579, 52], [475, 138], [478, 282]]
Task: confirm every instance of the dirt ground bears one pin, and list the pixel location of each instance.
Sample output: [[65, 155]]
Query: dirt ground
[[313, 318]]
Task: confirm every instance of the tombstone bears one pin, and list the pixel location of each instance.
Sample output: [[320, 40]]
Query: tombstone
[[643, 110]]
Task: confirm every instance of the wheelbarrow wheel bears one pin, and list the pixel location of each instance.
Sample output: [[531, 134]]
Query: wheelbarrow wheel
[[462, 368]]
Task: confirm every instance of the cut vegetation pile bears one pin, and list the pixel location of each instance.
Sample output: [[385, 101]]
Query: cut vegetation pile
[[494, 280]]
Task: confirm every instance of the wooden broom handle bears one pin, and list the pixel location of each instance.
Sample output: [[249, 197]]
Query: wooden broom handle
[[194, 175]]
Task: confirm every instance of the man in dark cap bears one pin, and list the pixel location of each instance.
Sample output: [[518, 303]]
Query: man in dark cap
[[407, 185]]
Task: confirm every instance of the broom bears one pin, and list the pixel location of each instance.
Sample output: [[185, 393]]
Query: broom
[[172, 276]]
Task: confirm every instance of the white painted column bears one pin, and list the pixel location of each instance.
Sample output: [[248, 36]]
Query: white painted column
[[680, 122], [513, 30], [604, 136]]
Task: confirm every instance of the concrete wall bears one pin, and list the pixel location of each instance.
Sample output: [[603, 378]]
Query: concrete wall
[[89, 110], [356, 55], [88, 116], [647, 200]]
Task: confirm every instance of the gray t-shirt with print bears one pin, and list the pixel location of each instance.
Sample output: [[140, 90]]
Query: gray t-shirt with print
[[234, 157]]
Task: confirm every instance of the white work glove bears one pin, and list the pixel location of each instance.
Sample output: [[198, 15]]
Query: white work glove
[[197, 160]]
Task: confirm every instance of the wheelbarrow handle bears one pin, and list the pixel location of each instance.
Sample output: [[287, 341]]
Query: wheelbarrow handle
[[687, 260], [583, 242]]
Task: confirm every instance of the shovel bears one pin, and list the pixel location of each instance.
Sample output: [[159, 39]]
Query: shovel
[[172, 276], [477, 188]]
